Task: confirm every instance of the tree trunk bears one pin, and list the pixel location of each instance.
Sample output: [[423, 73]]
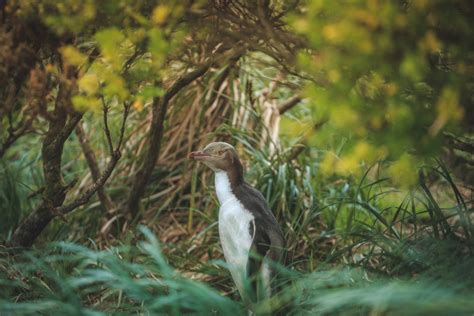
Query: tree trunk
[[31, 227], [159, 109], [55, 190]]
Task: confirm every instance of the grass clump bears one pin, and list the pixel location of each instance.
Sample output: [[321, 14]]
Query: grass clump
[[69, 278]]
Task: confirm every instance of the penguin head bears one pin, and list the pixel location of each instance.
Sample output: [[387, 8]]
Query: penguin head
[[218, 156]]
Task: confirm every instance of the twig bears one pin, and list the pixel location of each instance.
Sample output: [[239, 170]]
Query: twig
[[138, 52], [126, 112], [115, 156], [185, 80], [91, 160], [35, 193], [85, 197], [14, 133], [105, 109]]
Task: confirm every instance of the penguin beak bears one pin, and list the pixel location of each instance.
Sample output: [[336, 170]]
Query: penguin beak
[[199, 155]]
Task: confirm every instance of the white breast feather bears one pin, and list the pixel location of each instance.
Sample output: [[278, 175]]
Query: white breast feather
[[234, 233]]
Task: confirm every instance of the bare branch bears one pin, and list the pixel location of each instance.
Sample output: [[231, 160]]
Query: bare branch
[[459, 143], [13, 135], [104, 198], [185, 80], [100, 181], [85, 197], [288, 104], [23, 127], [105, 109], [126, 112], [137, 53]]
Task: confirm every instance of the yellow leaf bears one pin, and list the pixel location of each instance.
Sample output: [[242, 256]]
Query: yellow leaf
[[84, 103], [430, 42], [328, 164], [72, 56], [301, 25], [332, 32], [50, 68], [293, 128], [160, 14], [115, 86], [347, 165], [391, 88], [89, 83], [366, 17], [344, 116], [138, 104], [363, 151]]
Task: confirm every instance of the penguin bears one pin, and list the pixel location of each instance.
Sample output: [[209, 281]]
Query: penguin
[[248, 231]]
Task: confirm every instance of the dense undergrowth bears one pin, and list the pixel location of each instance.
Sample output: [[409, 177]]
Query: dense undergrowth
[[355, 246]]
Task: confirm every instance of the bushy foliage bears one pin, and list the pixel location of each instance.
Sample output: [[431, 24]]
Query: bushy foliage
[[110, 37], [394, 76]]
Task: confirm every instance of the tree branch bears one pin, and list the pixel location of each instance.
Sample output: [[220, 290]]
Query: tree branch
[[104, 198], [105, 109], [159, 109], [13, 135], [100, 181], [85, 197], [459, 144], [186, 80], [288, 104], [59, 129]]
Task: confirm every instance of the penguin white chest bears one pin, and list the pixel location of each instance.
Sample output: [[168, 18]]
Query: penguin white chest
[[234, 228]]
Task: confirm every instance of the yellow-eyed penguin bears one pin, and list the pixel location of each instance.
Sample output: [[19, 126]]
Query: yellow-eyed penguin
[[248, 231]]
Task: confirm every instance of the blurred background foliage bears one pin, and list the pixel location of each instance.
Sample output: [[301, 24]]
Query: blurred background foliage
[[354, 119], [395, 77]]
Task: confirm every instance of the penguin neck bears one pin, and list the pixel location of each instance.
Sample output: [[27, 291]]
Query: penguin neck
[[226, 182]]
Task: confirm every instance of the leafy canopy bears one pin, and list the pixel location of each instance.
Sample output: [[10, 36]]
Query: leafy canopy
[[396, 76]]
